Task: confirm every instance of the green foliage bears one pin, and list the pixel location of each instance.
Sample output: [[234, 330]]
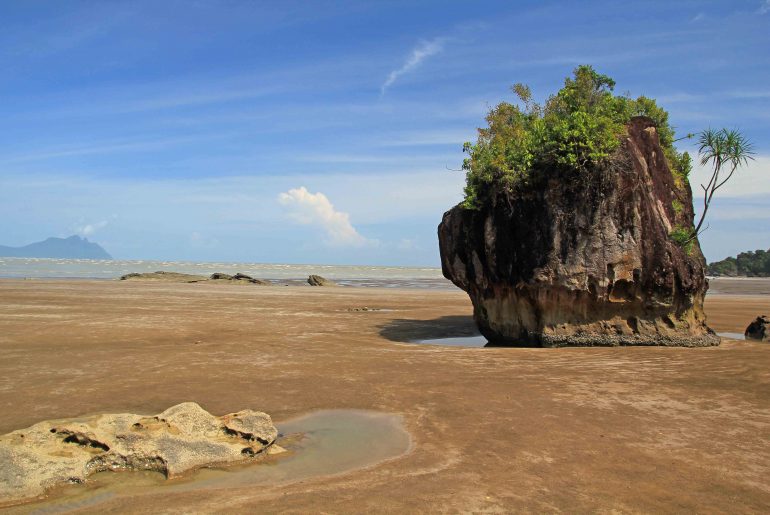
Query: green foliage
[[577, 130], [678, 206], [682, 236], [751, 264]]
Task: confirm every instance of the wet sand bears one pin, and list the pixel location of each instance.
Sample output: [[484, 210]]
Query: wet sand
[[499, 430]]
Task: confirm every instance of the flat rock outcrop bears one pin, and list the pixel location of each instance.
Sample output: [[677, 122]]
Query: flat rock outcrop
[[238, 278], [176, 277], [759, 329], [584, 260], [172, 277], [182, 438], [317, 280]]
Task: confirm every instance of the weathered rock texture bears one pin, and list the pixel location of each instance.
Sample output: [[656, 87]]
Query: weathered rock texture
[[759, 329], [317, 280], [584, 260], [182, 438]]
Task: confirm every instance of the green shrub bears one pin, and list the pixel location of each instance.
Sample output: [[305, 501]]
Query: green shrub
[[682, 236], [577, 130]]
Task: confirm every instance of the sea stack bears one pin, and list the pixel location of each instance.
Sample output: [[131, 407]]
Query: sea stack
[[588, 260]]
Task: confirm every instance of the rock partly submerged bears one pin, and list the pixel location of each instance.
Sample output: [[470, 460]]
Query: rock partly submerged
[[584, 262], [176, 277], [180, 439], [759, 329]]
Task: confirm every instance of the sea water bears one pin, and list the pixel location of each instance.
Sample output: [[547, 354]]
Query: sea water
[[345, 275]]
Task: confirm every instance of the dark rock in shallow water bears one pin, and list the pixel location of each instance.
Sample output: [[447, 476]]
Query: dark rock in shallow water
[[565, 261], [759, 329], [317, 280]]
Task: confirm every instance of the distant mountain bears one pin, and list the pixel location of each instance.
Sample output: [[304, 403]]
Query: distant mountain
[[73, 247]]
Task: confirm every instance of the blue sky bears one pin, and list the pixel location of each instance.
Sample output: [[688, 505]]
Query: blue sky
[[327, 132]]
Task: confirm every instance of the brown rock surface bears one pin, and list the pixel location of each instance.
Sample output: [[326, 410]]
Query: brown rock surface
[[182, 438], [584, 261], [317, 280]]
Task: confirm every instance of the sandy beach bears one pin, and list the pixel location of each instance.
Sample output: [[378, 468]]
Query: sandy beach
[[493, 429]]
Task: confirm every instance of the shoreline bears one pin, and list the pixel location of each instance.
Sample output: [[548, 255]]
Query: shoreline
[[717, 286]]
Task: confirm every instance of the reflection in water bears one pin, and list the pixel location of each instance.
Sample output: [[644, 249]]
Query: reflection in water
[[319, 444], [461, 341]]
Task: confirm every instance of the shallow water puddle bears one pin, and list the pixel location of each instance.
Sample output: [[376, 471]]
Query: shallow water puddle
[[732, 336], [458, 341], [322, 443]]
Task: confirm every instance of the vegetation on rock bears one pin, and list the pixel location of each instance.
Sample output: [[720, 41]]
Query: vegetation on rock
[[750, 264], [577, 130]]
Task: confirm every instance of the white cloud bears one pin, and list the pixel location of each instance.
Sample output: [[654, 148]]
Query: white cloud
[[316, 209], [765, 7], [89, 229], [421, 52]]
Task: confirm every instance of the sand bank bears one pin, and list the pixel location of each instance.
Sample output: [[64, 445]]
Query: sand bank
[[630, 429]]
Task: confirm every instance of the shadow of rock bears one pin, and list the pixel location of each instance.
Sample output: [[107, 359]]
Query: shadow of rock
[[405, 330]]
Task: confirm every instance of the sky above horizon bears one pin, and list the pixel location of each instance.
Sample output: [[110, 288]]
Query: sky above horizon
[[331, 132]]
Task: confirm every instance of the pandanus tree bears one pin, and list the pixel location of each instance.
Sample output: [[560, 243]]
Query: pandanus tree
[[725, 150]]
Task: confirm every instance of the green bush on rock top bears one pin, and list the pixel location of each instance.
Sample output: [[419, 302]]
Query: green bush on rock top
[[577, 130]]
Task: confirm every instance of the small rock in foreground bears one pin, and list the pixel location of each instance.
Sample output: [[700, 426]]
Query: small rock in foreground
[[759, 329], [182, 438], [317, 280]]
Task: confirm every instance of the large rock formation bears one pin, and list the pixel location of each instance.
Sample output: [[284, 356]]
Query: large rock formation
[[584, 260], [182, 438]]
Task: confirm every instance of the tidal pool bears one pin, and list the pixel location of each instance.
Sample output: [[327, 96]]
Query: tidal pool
[[732, 336], [458, 341], [321, 443]]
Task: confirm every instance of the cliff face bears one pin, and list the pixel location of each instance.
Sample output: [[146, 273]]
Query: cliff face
[[584, 260]]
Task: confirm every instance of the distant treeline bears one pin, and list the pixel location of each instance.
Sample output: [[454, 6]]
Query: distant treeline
[[749, 264]]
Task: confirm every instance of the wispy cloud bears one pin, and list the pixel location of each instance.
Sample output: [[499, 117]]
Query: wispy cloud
[[316, 209], [765, 7], [698, 17], [419, 53], [108, 147]]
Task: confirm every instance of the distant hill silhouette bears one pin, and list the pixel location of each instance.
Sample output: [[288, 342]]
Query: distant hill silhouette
[[73, 247]]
